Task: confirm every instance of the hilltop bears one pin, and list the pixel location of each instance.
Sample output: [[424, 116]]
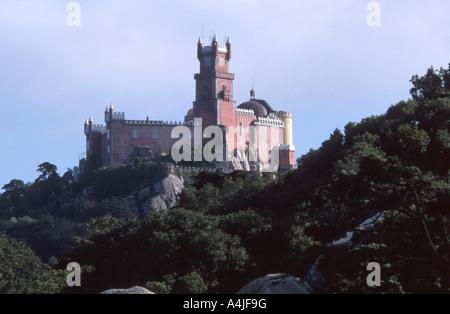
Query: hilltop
[[225, 229]]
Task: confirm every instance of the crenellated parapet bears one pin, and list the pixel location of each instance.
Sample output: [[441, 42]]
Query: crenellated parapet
[[246, 112], [117, 116], [271, 122], [99, 128], [287, 147], [160, 123]]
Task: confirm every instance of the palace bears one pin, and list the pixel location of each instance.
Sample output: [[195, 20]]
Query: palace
[[252, 128]]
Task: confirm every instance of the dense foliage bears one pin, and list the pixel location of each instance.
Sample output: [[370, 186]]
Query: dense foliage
[[230, 229]]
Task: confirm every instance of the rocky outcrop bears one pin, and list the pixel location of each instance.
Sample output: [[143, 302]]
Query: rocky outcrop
[[286, 284], [276, 284], [132, 204], [166, 194], [139, 151], [133, 290], [313, 281]]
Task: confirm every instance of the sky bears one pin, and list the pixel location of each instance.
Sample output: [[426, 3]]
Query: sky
[[318, 59]]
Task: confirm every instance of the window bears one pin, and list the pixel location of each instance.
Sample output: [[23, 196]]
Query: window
[[131, 148], [107, 134], [240, 128], [109, 149], [135, 134], [205, 87], [87, 146], [155, 134], [157, 149]]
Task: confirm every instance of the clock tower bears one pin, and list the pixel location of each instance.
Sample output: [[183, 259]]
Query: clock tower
[[214, 85]]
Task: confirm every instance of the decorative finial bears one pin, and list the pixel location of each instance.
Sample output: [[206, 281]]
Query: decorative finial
[[252, 92], [91, 120], [111, 106]]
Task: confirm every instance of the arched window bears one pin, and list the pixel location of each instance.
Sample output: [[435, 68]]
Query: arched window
[[135, 134], [157, 149], [155, 134]]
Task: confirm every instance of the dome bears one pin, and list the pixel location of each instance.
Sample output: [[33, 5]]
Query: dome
[[190, 112], [260, 107]]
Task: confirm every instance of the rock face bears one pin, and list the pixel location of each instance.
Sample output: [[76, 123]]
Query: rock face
[[314, 281], [236, 163], [133, 290], [167, 190], [131, 202], [276, 284]]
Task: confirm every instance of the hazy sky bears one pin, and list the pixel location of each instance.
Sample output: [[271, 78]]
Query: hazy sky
[[318, 59]]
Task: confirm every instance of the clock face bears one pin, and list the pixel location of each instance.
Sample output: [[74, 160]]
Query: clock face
[[207, 61], [221, 61]]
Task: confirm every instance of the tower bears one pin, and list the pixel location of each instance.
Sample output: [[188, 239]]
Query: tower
[[286, 117], [214, 84]]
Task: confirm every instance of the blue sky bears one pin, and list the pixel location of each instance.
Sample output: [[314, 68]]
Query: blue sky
[[318, 59]]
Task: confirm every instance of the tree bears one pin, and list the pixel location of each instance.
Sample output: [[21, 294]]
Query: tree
[[21, 272], [434, 84], [13, 195], [47, 171]]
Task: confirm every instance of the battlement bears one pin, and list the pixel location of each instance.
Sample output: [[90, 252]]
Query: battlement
[[154, 122], [193, 169], [119, 116], [284, 114], [100, 128], [208, 49], [269, 122], [222, 49], [247, 112], [287, 147]]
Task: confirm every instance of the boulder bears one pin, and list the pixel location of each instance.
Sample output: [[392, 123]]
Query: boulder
[[276, 284], [132, 290], [313, 281], [167, 191]]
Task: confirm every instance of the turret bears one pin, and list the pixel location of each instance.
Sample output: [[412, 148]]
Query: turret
[[199, 48], [286, 117], [214, 44], [111, 111], [228, 49], [106, 114], [91, 124]]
